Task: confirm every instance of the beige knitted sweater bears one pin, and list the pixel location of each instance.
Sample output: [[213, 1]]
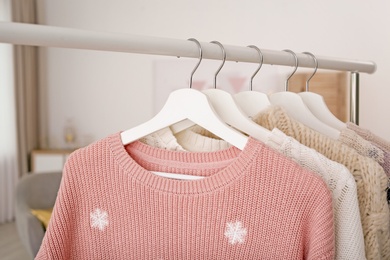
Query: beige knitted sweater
[[370, 178]]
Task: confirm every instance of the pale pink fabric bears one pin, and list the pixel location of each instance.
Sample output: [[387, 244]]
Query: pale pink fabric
[[252, 204], [376, 140], [370, 136]]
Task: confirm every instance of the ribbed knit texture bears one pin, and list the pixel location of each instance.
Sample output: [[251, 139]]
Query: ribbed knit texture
[[369, 136], [349, 239], [252, 204], [370, 178]]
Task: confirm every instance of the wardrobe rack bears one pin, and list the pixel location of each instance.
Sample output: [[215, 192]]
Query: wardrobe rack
[[51, 36]]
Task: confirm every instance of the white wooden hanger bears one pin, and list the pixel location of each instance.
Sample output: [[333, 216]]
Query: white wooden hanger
[[187, 104], [317, 105], [252, 102], [226, 107], [296, 108]]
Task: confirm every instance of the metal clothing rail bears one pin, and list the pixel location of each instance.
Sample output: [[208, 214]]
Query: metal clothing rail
[[51, 36]]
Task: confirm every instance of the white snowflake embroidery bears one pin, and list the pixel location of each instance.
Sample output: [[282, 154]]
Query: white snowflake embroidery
[[99, 219], [235, 232]]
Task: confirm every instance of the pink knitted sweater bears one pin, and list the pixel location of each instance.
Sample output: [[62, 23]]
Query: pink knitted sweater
[[252, 204]]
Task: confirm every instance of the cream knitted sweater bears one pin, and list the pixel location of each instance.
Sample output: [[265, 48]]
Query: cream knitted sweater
[[369, 176], [111, 205], [193, 140], [349, 241]]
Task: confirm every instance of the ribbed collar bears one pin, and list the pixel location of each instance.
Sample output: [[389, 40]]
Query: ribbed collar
[[220, 168]]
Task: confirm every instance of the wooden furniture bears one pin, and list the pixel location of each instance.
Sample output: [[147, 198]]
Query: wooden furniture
[[48, 160], [333, 86]]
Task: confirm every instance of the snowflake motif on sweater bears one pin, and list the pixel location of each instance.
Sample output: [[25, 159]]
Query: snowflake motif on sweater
[[235, 232], [99, 219], [150, 217]]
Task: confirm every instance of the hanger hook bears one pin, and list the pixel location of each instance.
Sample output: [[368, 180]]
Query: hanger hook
[[223, 61], [296, 67], [260, 63], [200, 58], [315, 69]]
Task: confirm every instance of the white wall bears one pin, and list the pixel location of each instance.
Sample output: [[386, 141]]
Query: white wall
[[107, 92]]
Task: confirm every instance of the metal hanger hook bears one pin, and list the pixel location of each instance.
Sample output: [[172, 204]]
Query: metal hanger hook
[[260, 64], [315, 69], [200, 58], [296, 67], [223, 61]]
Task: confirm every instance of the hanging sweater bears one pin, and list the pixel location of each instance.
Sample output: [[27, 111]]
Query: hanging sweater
[[189, 140], [349, 241], [362, 146], [252, 204], [164, 139], [370, 178], [369, 136], [348, 226], [376, 140]]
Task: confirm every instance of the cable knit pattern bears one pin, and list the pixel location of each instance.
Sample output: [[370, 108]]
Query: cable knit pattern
[[369, 136], [252, 204], [361, 145], [370, 178]]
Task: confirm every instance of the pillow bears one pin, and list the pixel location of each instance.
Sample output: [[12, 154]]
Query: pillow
[[43, 215]]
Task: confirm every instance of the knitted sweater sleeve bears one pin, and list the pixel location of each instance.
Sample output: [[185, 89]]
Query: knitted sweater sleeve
[[57, 241], [321, 229]]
